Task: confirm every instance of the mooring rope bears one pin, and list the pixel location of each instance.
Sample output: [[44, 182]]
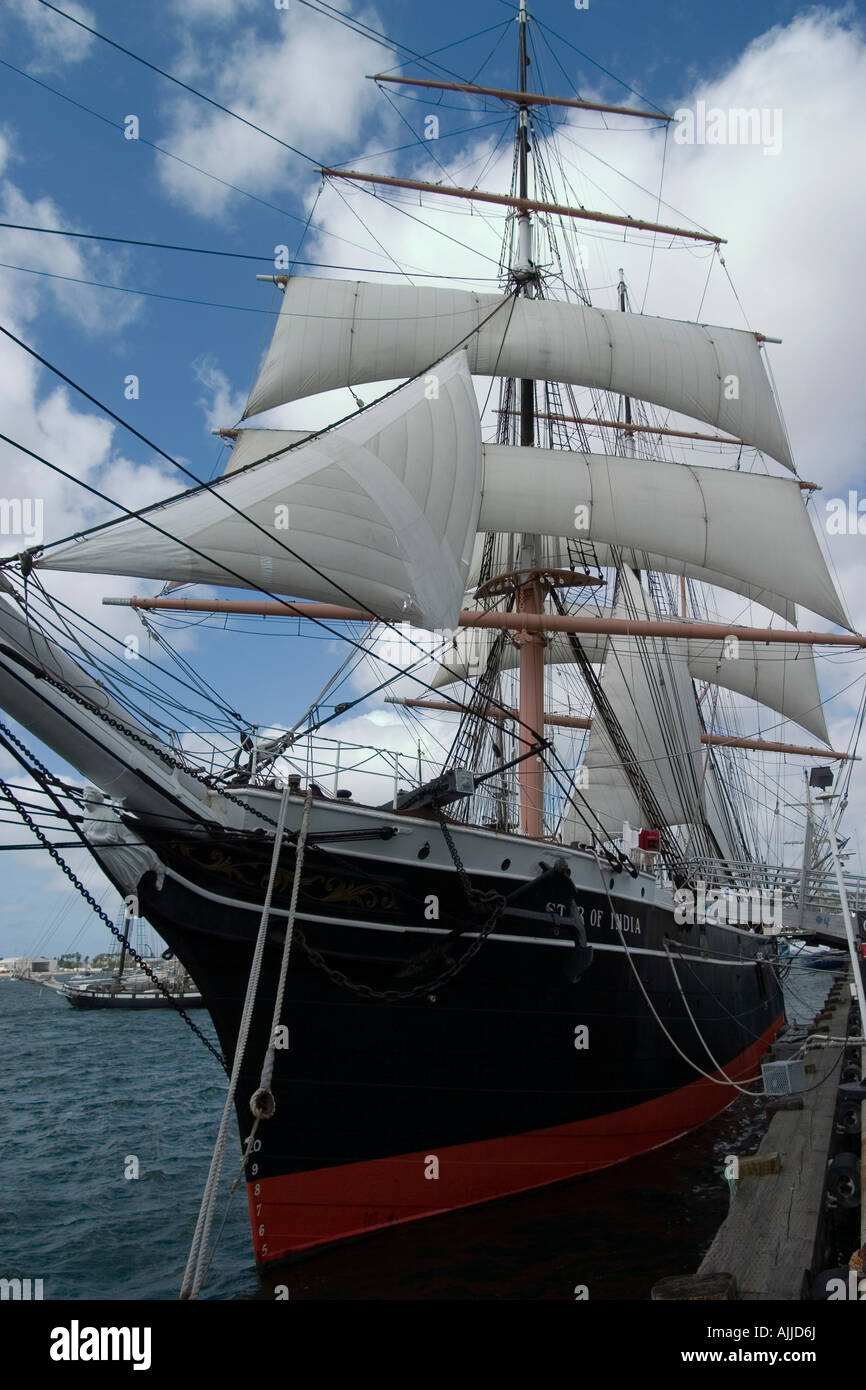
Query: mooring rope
[[614, 915], [198, 1255], [705, 1045], [262, 1102]]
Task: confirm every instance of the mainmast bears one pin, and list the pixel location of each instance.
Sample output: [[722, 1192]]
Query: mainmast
[[529, 591]]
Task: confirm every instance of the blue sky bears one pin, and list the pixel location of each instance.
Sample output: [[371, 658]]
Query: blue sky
[[300, 74]]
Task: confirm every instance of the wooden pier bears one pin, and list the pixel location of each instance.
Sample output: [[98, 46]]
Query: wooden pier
[[768, 1243]]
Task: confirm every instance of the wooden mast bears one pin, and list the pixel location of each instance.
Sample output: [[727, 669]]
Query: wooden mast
[[529, 593]]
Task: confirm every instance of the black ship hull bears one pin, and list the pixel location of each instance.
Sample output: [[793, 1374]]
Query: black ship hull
[[539, 1060], [128, 999]]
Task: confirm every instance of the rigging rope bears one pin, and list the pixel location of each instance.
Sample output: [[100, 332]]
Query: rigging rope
[[614, 916], [258, 1103], [86, 895], [197, 1260]]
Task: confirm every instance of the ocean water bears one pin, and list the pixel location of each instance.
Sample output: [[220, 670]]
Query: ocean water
[[81, 1093]]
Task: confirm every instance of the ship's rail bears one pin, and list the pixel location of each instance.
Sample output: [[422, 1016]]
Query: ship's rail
[[375, 775]]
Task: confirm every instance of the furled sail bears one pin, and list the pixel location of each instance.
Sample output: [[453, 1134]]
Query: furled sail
[[748, 525], [386, 506], [333, 333]]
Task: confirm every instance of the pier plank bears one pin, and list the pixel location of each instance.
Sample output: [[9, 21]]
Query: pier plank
[[767, 1241]]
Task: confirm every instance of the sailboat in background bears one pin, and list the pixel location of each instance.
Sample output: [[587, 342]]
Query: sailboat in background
[[126, 988], [491, 980]]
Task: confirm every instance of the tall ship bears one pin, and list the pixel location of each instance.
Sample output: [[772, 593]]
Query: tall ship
[[549, 946]]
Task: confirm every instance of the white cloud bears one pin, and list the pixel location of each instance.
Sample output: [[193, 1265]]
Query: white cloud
[[44, 417], [304, 83], [57, 42], [94, 310], [222, 405]]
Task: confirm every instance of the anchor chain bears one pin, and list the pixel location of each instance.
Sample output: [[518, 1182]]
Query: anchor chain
[[476, 899], [104, 917], [164, 756]]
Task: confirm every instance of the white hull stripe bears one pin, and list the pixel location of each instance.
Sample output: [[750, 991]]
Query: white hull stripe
[[444, 931]]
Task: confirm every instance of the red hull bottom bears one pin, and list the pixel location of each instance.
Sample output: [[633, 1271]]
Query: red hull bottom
[[302, 1210]]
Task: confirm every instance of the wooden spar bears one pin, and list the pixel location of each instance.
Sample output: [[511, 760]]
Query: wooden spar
[[574, 721], [560, 721], [608, 425], [632, 428], [523, 204], [768, 746], [629, 427], [513, 622], [523, 98], [652, 627], [287, 609]]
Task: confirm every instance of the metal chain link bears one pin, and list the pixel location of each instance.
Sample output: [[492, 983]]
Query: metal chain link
[[91, 901], [476, 900], [338, 977], [49, 776]]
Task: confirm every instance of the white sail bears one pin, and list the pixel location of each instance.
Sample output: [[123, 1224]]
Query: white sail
[[742, 531], [559, 553], [783, 679], [254, 445], [747, 525], [716, 811], [251, 446], [668, 564], [649, 691], [385, 506], [333, 333]]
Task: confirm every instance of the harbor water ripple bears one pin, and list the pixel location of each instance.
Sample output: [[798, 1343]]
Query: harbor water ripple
[[83, 1092]]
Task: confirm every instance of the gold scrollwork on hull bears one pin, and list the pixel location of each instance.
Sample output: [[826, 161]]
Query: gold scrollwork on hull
[[374, 897], [323, 888]]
